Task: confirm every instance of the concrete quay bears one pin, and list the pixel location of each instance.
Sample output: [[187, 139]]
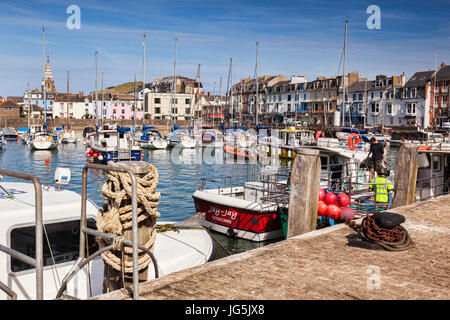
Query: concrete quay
[[326, 264]]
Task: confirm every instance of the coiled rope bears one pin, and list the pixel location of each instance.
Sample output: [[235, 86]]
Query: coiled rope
[[115, 217], [395, 239]]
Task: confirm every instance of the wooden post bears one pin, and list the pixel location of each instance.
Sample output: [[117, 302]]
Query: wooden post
[[406, 167], [112, 278], [304, 194]]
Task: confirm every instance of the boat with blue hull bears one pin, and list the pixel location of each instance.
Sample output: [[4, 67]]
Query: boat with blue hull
[[113, 143]]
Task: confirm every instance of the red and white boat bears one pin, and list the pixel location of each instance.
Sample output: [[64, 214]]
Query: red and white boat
[[239, 211]]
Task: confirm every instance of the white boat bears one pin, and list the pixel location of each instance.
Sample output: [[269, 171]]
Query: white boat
[[182, 137], [68, 136], [9, 133], [113, 143], [152, 139], [174, 250], [44, 141], [2, 144]]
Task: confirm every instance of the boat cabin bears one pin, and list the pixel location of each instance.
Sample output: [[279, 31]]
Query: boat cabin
[[433, 175]]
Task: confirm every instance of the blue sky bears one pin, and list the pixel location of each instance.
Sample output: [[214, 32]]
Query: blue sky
[[296, 37]]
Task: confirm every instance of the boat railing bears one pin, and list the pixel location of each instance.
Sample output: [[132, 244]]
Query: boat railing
[[430, 187], [38, 261], [82, 260]]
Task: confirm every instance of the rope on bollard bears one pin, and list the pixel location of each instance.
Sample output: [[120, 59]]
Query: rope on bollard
[[395, 239], [115, 217]]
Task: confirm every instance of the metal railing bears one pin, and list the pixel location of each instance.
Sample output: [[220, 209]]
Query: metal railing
[[37, 262], [85, 230], [430, 187]]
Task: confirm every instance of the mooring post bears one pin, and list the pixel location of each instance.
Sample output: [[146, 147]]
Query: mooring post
[[406, 167], [113, 278], [304, 193]]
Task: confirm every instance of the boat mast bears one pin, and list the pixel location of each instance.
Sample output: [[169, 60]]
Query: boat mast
[[256, 80], [197, 101], [67, 116], [29, 107], [44, 86], [343, 74], [173, 83], [143, 80], [222, 118], [134, 106], [101, 107], [230, 89], [96, 90]]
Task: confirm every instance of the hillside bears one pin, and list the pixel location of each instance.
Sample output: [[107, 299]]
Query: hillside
[[126, 87]]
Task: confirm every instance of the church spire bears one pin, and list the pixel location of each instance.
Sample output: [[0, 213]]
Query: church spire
[[48, 76]]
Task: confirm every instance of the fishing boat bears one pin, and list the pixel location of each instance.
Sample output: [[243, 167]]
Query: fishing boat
[[113, 143], [151, 138], [9, 133], [174, 250], [239, 211]]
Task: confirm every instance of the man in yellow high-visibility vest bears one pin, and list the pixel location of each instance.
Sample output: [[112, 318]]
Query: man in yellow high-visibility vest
[[382, 187]]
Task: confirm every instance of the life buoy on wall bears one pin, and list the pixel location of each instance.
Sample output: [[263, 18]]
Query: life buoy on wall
[[353, 141], [319, 134]]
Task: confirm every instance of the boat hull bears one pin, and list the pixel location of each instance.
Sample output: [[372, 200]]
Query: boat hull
[[44, 145], [243, 223]]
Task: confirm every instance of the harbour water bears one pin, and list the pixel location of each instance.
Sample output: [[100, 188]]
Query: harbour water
[[177, 181]]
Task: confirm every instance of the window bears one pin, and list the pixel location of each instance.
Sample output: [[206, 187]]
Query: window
[[175, 110], [411, 108], [158, 110], [123, 111], [405, 93], [390, 108], [123, 104], [187, 101], [375, 107], [360, 96], [381, 95], [289, 97], [413, 93], [354, 96], [157, 100], [371, 95], [64, 238], [174, 100], [187, 111]]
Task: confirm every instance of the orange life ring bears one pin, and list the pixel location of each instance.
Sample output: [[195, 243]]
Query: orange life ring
[[320, 134], [423, 148], [353, 141]]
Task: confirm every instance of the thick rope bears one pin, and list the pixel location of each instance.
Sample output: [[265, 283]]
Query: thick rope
[[115, 217], [395, 239]]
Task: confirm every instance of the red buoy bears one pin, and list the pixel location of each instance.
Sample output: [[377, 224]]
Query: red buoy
[[322, 208], [330, 198], [333, 211], [343, 200], [322, 194]]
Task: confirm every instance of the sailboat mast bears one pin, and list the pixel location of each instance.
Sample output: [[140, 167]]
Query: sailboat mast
[[230, 85], [143, 80], [173, 82], [67, 116], [256, 80], [197, 102], [134, 106], [29, 107], [96, 90], [101, 106], [44, 86], [222, 118], [343, 74]]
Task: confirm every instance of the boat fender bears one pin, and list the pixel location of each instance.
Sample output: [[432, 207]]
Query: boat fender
[[319, 134], [353, 141]]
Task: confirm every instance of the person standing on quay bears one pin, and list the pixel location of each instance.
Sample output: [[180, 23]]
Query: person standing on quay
[[378, 157]]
